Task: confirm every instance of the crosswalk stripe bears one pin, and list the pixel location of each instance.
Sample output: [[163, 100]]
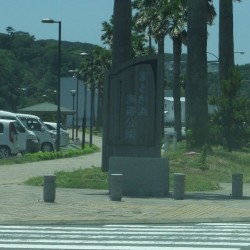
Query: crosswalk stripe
[[127, 237], [89, 247]]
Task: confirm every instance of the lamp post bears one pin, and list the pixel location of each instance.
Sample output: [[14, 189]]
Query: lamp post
[[91, 103], [218, 61], [48, 20], [84, 109], [76, 72], [73, 93], [91, 99], [84, 116], [217, 58]]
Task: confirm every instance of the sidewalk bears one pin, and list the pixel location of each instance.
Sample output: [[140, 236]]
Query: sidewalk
[[22, 204]]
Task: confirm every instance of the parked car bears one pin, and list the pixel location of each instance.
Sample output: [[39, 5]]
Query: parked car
[[64, 134], [34, 123], [28, 141], [8, 138]]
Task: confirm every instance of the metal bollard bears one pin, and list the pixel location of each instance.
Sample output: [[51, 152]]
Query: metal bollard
[[179, 186], [49, 188], [116, 187], [237, 185]]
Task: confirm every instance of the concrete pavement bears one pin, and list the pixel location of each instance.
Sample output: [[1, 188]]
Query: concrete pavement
[[20, 204]]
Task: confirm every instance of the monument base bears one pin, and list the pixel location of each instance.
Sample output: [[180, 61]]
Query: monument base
[[142, 176]]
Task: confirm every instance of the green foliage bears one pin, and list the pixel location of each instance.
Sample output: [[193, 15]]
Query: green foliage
[[230, 125], [28, 68], [42, 156], [220, 165], [61, 154], [203, 157], [92, 178], [138, 38]]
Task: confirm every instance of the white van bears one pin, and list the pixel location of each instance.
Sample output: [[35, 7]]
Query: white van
[[64, 134], [34, 123], [28, 141], [8, 138]]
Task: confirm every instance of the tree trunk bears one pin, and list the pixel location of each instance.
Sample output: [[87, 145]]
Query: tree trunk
[[226, 37], [122, 48], [196, 88], [161, 61], [177, 43], [99, 109]]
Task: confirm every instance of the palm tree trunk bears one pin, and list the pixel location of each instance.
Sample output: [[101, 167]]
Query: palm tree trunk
[[122, 48], [196, 87], [99, 109], [177, 43], [226, 43], [161, 61]]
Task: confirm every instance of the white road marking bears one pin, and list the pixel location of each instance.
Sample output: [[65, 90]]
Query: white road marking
[[202, 236]]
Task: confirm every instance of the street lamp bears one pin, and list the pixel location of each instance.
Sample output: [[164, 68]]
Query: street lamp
[[239, 52], [73, 93], [217, 58], [49, 20], [76, 72], [84, 109], [91, 99]]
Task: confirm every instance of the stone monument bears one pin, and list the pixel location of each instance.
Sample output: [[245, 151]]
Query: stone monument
[[133, 108]]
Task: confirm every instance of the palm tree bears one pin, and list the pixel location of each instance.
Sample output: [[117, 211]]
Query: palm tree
[[196, 87], [178, 20], [122, 47], [98, 63], [138, 38], [153, 16], [107, 29], [178, 34], [229, 77], [226, 38]]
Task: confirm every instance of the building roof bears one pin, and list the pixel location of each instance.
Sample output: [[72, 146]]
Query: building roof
[[45, 107]]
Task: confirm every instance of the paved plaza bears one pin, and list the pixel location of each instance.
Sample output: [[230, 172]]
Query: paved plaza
[[24, 204]]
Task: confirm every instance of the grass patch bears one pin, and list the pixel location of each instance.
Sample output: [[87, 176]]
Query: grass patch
[[92, 178], [42, 156], [203, 170]]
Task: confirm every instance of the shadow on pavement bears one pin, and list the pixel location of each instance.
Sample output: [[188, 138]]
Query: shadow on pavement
[[209, 196]]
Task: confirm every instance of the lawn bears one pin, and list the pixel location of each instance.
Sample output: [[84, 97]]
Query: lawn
[[203, 170]]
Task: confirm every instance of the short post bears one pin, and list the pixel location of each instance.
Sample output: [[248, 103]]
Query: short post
[[49, 188], [166, 142], [179, 186], [237, 185], [116, 187]]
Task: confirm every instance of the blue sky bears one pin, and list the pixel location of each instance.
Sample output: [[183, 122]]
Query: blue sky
[[82, 19]]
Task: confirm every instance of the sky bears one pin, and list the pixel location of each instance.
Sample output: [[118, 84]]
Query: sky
[[82, 22]]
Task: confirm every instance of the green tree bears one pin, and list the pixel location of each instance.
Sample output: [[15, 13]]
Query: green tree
[[92, 71], [138, 38], [107, 29], [231, 122], [9, 89]]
